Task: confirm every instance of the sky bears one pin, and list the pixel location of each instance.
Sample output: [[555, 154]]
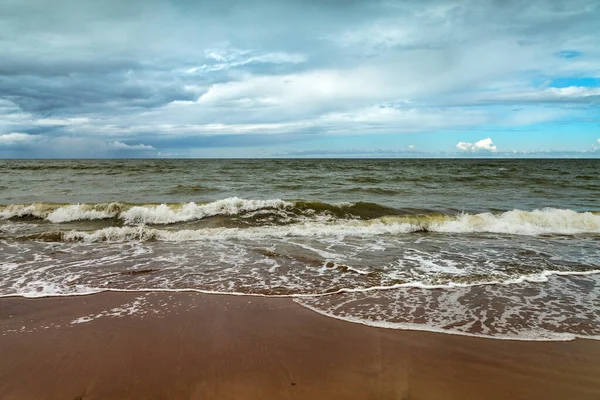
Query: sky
[[310, 78]]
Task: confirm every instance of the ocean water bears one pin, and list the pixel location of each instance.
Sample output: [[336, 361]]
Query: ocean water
[[508, 249]]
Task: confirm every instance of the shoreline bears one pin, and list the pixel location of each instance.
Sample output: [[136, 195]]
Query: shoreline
[[395, 326], [197, 346]]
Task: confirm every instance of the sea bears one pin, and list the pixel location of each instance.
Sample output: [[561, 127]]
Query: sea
[[505, 249]]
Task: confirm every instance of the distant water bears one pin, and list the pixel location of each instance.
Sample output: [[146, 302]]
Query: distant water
[[498, 248]]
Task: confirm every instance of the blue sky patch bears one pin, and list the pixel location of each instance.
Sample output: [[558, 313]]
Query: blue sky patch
[[569, 54], [575, 81]]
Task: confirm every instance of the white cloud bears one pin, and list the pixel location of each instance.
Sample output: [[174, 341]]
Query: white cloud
[[464, 146], [15, 138], [526, 94], [226, 58], [482, 145], [293, 93], [61, 121], [117, 145], [575, 91], [411, 146]]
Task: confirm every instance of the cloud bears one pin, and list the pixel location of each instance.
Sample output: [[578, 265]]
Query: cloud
[[570, 94], [485, 145], [41, 146], [229, 58], [16, 139], [117, 145], [61, 121], [269, 72]]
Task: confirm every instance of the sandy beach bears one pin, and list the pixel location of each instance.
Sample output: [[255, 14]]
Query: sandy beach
[[300, 200], [195, 346]]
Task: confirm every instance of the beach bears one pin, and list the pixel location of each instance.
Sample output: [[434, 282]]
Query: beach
[[299, 279], [304, 200], [187, 345]]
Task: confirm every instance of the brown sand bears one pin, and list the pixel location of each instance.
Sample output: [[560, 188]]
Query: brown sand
[[195, 346]]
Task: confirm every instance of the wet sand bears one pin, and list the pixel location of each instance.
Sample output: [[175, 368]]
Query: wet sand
[[196, 346]]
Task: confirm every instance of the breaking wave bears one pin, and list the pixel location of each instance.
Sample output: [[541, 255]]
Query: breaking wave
[[512, 222], [58, 213], [138, 214], [277, 217]]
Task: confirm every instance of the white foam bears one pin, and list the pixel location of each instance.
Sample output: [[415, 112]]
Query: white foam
[[127, 233], [19, 210], [49, 289], [549, 221], [307, 300], [517, 222], [77, 212], [82, 320], [513, 312], [127, 309], [525, 336], [58, 213], [164, 214], [39, 288]]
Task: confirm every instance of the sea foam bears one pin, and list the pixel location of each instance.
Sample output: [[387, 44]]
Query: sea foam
[[164, 214], [548, 221]]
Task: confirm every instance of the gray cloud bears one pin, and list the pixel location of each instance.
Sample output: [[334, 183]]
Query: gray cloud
[[175, 74]]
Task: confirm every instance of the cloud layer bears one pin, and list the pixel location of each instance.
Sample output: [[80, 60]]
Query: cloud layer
[[178, 77]]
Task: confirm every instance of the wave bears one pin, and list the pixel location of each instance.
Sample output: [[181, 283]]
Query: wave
[[305, 218], [138, 214], [165, 214], [518, 222], [185, 212], [58, 213], [549, 221]]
